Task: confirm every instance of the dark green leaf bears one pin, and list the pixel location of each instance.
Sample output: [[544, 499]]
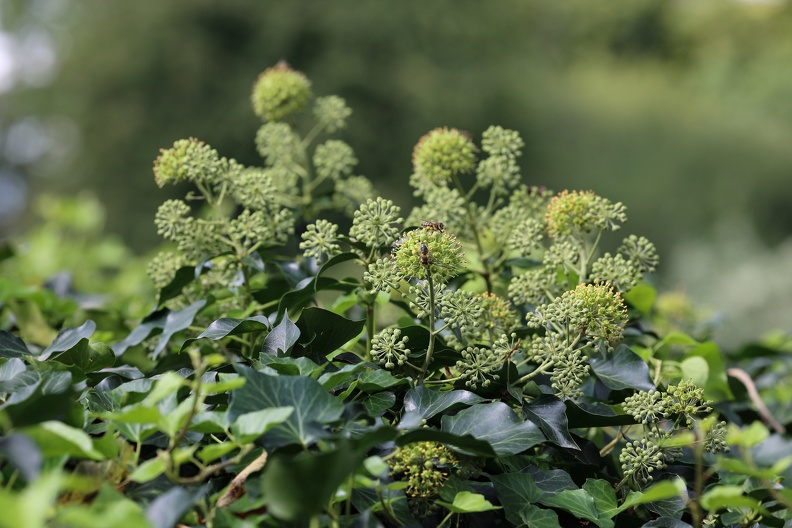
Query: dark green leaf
[[68, 338], [287, 365], [464, 444], [536, 517], [516, 491], [495, 423], [312, 404], [427, 403], [549, 413], [176, 322], [604, 497], [373, 380], [290, 483], [11, 346], [281, 338], [166, 510], [37, 396], [87, 357], [552, 482], [154, 321], [228, 327], [666, 522], [378, 403], [623, 369], [184, 276], [323, 332], [599, 415]]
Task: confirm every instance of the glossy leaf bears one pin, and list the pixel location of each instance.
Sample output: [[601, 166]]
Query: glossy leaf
[[515, 491], [467, 502], [281, 338], [68, 338], [549, 413], [323, 332], [496, 424], [166, 510], [229, 327], [536, 517], [465, 444], [313, 405], [427, 403], [176, 322], [623, 369], [11, 346]]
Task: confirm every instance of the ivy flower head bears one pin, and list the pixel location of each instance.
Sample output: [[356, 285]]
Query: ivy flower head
[[502, 142], [280, 92], [390, 349], [356, 190], [331, 112], [580, 212], [639, 460], [375, 223], [189, 160], [334, 159], [173, 220], [423, 251], [595, 310], [320, 240], [443, 153]]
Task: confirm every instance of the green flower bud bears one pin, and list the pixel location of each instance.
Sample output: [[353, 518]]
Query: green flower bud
[[576, 213], [442, 258], [388, 349], [320, 241], [189, 160], [374, 223], [443, 153], [280, 92]]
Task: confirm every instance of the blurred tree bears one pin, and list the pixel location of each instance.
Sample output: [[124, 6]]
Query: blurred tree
[[679, 109]]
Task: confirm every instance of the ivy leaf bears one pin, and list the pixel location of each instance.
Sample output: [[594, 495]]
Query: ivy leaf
[[37, 396], [496, 424], [597, 415], [68, 338], [515, 491], [464, 444], [549, 413], [312, 405], [323, 332], [716, 386], [249, 426], [281, 338], [166, 510], [11, 346], [536, 517], [56, 439], [22, 453], [427, 403], [176, 322], [87, 357], [288, 366], [577, 502], [604, 497], [552, 482], [623, 369], [227, 326], [467, 502]]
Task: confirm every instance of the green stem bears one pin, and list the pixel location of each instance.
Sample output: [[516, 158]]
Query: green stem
[[476, 237], [369, 329], [541, 369], [430, 348]]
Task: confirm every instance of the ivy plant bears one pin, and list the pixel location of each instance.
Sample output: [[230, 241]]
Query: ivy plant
[[480, 360]]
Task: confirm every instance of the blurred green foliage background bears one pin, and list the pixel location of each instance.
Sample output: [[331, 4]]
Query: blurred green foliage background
[[680, 109]]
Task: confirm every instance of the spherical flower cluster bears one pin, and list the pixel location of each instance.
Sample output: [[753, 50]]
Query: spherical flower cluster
[[478, 366], [280, 92], [461, 309], [501, 142], [688, 400], [639, 460], [534, 287], [189, 160], [443, 153], [173, 220], [526, 237], [382, 276], [254, 189], [278, 144], [330, 113], [250, 230], [334, 159], [420, 252], [442, 202], [425, 466], [594, 310], [647, 406], [569, 372], [623, 274], [641, 252], [320, 241], [163, 267], [576, 213], [388, 350], [375, 223], [715, 438], [497, 315]]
